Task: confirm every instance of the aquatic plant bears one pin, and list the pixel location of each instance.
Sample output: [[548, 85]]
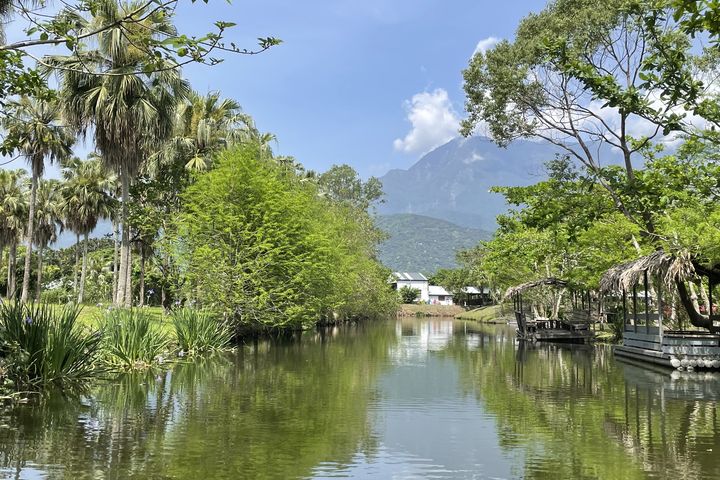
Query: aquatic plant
[[199, 331], [45, 346], [132, 339]]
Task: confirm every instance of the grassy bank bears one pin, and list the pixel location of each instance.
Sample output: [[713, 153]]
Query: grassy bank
[[487, 314], [63, 346], [429, 310]]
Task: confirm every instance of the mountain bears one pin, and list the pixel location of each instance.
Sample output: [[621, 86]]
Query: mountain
[[453, 181], [424, 244]]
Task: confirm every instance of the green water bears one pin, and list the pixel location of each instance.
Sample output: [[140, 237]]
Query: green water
[[400, 399]]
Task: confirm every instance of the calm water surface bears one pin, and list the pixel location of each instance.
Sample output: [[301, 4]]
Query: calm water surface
[[400, 399]]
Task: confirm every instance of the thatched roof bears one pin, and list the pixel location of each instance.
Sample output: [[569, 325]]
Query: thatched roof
[[551, 281], [660, 264]]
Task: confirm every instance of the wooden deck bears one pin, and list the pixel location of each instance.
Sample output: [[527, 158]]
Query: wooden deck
[[552, 330], [651, 345]]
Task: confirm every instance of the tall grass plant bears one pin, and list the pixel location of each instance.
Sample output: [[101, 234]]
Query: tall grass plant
[[199, 331], [45, 346], [132, 339]]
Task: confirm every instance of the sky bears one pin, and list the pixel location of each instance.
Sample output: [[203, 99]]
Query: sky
[[371, 83]]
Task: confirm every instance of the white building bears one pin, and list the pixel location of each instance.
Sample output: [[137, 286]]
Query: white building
[[412, 280], [439, 296]]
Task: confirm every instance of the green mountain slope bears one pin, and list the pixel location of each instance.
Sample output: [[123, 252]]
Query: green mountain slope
[[423, 244]]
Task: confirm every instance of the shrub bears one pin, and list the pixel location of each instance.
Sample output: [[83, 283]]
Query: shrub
[[198, 331], [408, 294], [45, 346], [132, 339]]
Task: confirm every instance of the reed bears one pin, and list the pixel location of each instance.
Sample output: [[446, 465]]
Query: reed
[[199, 331], [132, 339], [45, 346]]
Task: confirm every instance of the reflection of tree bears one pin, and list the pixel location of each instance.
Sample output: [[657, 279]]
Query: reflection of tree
[[575, 413], [275, 410]]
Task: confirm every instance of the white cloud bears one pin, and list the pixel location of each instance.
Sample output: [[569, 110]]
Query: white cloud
[[434, 122], [476, 157], [486, 44]]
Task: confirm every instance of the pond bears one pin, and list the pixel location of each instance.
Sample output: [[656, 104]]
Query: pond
[[410, 398]]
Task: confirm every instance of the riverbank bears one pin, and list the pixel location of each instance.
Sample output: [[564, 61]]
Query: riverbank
[[412, 310], [494, 314]]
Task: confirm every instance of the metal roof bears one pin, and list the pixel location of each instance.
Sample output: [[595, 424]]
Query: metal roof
[[436, 290], [410, 276]]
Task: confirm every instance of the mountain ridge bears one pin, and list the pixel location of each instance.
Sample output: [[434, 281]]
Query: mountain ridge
[[422, 243]]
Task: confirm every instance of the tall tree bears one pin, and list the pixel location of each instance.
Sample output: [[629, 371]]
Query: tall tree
[[589, 77], [129, 113], [13, 218], [87, 198], [36, 129], [205, 124], [48, 221]]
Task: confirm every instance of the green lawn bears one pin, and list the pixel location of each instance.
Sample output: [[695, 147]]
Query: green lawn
[[488, 314], [90, 315]]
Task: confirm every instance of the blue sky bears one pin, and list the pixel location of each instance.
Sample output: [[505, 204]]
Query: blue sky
[[371, 83]]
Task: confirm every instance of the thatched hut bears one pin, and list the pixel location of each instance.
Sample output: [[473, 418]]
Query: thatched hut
[[645, 337]]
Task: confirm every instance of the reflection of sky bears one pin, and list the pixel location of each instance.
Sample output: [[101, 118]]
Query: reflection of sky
[[418, 338], [426, 426]]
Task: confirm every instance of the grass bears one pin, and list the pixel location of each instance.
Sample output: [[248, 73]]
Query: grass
[[132, 339], [199, 331], [44, 345], [487, 314], [91, 316]]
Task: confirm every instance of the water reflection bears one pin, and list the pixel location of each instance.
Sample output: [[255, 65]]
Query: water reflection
[[412, 398]]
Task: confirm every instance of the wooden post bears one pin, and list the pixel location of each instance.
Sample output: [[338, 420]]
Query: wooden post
[[625, 312], [710, 285], [647, 305], [635, 308], [660, 310]]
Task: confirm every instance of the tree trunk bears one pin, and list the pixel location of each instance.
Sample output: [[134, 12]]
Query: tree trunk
[[83, 274], [12, 267], [120, 298], [128, 280], [162, 296], [2, 248], [30, 231], [116, 255], [689, 302], [142, 278], [38, 287], [77, 261]]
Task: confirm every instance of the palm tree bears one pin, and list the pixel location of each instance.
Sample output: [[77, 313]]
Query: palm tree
[[13, 217], [34, 125], [205, 125], [86, 199], [48, 215], [129, 112], [5, 11]]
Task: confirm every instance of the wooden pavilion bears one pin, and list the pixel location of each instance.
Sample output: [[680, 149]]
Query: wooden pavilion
[[532, 325], [639, 285]]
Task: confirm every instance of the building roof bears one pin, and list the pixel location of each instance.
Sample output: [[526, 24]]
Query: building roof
[[437, 290], [474, 290], [410, 276]]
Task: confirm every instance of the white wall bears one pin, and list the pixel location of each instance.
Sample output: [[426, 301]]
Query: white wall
[[435, 300], [420, 285]]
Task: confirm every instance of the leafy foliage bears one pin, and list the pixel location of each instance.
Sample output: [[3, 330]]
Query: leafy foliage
[[46, 346], [408, 294], [200, 331], [132, 339], [259, 243]]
